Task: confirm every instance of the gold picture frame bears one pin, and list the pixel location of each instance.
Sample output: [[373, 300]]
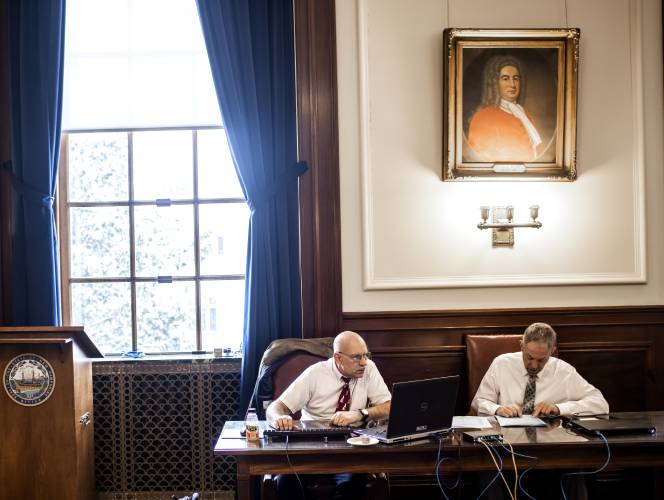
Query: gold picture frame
[[509, 104]]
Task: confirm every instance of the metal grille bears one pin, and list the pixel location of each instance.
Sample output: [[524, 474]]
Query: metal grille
[[156, 424]]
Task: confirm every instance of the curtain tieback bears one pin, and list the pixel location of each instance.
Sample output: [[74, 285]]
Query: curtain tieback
[[28, 193], [295, 171]]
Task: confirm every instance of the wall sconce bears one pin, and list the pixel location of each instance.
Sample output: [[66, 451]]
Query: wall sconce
[[502, 223]]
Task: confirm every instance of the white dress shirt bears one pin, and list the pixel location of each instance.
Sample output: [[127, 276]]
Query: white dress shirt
[[316, 390], [557, 383]]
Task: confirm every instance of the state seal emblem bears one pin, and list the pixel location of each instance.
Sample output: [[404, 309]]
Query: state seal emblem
[[29, 379]]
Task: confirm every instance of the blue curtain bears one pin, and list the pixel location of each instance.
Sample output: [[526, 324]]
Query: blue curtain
[[251, 50], [36, 55]]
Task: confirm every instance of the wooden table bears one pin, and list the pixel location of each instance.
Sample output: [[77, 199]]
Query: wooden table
[[555, 446]]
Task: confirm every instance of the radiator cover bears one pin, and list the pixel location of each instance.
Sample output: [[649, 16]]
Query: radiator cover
[[156, 423]]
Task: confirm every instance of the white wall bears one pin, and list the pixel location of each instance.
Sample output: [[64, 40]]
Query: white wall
[[409, 240]]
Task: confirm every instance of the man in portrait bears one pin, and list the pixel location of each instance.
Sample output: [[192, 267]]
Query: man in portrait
[[501, 129]]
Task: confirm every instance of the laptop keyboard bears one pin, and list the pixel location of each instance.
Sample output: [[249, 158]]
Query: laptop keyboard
[[379, 430]]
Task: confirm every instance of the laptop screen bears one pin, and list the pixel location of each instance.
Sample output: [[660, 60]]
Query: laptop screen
[[422, 406]]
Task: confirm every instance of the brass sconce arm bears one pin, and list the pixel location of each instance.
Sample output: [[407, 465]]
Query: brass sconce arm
[[508, 225], [502, 223]]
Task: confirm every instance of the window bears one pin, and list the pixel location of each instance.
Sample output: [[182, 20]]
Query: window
[[148, 194]]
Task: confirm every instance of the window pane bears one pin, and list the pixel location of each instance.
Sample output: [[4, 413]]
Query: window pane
[[99, 244], [173, 29], [96, 88], [216, 173], [104, 309], [206, 106], [107, 46], [175, 75], [224, 302], [163, 165], [97, 26], [223, 235], [98, 167], [164, 240], [166, 315]]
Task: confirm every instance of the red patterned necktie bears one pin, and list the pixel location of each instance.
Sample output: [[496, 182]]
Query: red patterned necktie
[[344, 396]]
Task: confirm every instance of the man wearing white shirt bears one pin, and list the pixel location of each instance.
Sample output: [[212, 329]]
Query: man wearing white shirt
[[345, 389], [318, 391], [533, 382]]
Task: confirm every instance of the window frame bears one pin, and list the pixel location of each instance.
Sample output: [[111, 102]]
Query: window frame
[[63, 228]]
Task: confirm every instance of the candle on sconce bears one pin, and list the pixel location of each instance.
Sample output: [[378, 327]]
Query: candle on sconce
[[484, 213], [534, 212], [510, 213]]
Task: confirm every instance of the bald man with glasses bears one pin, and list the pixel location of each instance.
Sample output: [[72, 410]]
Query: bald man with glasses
[[345, 389]]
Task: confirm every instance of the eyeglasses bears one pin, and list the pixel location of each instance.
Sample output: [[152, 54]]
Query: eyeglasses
[[357, 357]]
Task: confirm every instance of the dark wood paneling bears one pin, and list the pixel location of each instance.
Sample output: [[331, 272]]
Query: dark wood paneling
[[621, 370], [398, 364], [316, 71], [619, 350]]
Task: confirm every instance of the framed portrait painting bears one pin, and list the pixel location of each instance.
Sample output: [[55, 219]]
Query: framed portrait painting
[[510, 104]]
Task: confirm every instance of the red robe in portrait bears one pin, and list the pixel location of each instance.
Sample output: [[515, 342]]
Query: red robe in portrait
[[496, 135]]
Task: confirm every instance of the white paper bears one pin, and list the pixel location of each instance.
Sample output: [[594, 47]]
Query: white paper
[[522, 421], [466, 422]]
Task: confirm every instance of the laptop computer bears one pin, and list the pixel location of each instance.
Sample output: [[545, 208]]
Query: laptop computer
[[419, 408], [612, 425]]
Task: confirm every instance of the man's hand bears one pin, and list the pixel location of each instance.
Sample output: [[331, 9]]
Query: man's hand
[[279, 416], [283, 423], [545, 409], [509, 411], [344, 418]]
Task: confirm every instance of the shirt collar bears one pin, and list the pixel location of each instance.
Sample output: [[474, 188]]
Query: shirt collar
[[335, 370], [508, 106], [541, 372]]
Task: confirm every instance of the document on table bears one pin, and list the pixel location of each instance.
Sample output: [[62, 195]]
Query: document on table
[[522, 421], [466, 422]]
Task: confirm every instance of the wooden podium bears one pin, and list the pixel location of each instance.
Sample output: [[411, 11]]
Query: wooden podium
[[46, 415]]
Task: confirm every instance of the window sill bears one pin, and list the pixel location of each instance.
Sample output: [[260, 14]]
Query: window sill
[[169, 358], [165, 364]]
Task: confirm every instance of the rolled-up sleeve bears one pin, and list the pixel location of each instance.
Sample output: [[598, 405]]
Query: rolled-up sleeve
[[488, 393], [297, 395], [582, 397], [377, 391]]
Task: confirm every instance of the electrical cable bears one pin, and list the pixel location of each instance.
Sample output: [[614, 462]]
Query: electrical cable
[[585, 473], [502, 476], [516, 471], [511, 450], [439, 461], [500, 469], [449, 459], [290, 464]]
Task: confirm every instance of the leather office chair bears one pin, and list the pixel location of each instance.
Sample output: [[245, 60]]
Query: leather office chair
[[480, 352], [287, 368]]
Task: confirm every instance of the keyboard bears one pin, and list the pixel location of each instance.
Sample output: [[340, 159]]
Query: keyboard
[[379, 430], [316, 433]]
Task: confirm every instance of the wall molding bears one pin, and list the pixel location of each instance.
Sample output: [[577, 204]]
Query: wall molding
[[468, 319], [635, 276]]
